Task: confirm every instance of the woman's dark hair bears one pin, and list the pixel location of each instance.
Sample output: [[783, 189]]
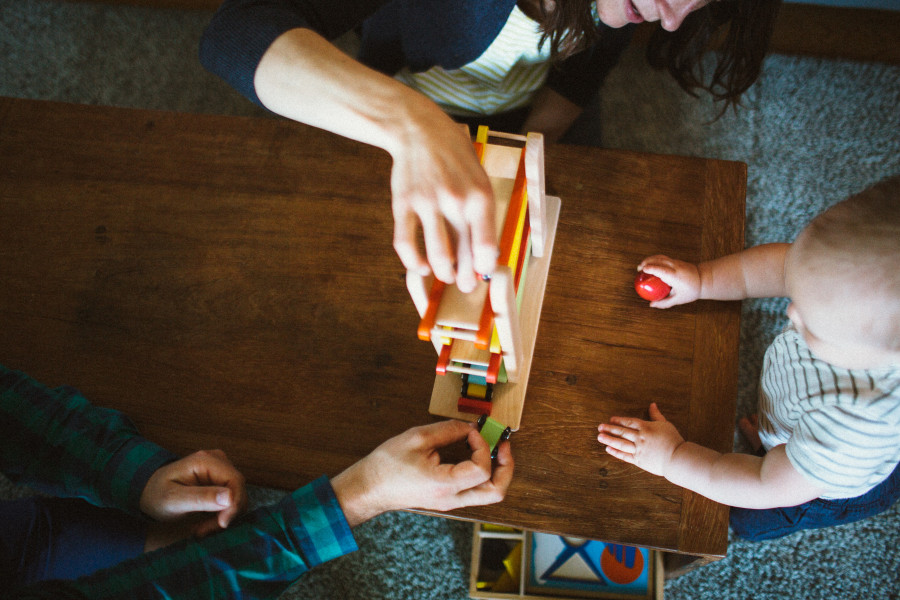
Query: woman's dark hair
[[739, 30]]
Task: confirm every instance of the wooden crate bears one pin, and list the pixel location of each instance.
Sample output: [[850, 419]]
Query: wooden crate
[[484, 535]]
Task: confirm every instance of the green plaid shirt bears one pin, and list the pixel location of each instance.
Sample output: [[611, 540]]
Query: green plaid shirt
[[55, 441]]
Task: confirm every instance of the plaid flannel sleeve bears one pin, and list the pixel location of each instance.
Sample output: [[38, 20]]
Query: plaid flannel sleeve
[[259, 556], [57, 442]]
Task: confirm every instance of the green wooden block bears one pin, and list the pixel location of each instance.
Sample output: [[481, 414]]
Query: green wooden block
[[493, 432]]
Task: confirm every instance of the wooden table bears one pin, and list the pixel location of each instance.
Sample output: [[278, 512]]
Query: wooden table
[[230, 282]]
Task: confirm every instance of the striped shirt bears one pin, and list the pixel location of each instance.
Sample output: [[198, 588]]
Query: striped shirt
[[505, 77], [841, 427], [56, 441], [418, 34]]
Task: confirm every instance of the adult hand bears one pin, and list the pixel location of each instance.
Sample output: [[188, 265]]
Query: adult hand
[[406, 472], [205, 481], [647, 444], [436, 180], [682, 277], [438, 183]]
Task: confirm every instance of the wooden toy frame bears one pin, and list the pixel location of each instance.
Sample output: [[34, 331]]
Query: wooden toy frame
[[444, 308], [483, 532]]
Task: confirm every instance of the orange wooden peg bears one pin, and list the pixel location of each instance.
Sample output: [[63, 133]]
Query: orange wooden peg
[[434, 302]]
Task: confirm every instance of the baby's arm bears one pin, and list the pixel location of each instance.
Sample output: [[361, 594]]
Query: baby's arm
[[756, 272], [740, 480]]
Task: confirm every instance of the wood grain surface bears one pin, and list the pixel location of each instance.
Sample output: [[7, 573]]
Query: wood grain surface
[[230, 283]]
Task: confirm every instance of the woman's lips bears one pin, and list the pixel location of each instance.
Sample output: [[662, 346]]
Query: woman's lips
[[631, 12]]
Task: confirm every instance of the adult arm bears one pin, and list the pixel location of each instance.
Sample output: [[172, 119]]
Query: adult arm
[[734, 479], [258, 556], [551, 114], [436, 181], [262, 554], [57, 442], [572, 84], [579, 77]]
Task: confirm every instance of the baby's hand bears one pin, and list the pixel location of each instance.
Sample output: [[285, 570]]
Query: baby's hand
[[682, 277], [647, 444]]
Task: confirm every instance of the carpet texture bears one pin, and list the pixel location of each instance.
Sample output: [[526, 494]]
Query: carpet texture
[[812, 132]]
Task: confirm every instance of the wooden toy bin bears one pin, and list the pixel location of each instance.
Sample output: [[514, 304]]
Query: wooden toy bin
[[523, 586]]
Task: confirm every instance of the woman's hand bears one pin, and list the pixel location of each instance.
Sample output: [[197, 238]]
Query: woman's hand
[[437, 183], [436, 179]]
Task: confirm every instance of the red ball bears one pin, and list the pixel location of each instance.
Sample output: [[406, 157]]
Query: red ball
[[650, 287]]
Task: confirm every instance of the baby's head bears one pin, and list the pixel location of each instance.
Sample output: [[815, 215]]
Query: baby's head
[[842, 274]]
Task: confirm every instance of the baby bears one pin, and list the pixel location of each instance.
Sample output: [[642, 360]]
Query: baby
[[829, 402]]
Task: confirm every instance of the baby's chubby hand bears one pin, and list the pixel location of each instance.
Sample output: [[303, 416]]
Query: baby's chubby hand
[[647, 444], [682, 277]]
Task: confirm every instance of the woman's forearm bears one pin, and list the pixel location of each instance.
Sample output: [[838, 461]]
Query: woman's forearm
[[304, 77], [551, 114], [437, 182]]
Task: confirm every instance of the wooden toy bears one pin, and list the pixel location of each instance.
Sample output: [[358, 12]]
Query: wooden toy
[[493, 432], [527, 565], [488, 335], [588, 568]]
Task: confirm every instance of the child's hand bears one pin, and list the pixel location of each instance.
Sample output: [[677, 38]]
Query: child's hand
[[647, 444], [682, 277]]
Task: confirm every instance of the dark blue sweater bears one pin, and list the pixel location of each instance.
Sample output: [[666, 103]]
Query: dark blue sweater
[[418, 34]]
